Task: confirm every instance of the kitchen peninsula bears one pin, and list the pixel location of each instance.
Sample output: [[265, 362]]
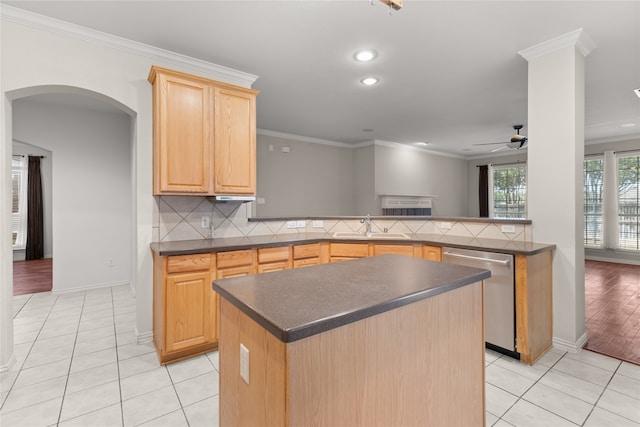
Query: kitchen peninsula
[[385, 340], [185, 309]]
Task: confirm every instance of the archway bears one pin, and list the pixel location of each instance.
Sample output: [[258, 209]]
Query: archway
[[14, 101]]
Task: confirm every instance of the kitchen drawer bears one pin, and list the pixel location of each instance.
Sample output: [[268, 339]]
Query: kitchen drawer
[[266, 255], [349, 250], [234, 258], [382, 249], [182, 263], [306, 251], [297, 263]]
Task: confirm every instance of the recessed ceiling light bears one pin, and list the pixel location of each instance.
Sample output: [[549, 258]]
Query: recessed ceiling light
[[421, 144], [627, 125], [369, 81], [637, 91], [365, 55]]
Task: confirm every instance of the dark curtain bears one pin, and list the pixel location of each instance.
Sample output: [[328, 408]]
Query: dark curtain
[[35, 231], [483, 190]]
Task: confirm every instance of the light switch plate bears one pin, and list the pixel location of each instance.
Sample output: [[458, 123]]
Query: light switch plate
[[301, 223], [445, 225], [318, 224], [244, 363], [291, 224]]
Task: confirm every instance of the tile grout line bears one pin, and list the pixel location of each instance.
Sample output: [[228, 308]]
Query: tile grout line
[[19, 370], [532, 385], [115, 339], [75, 341]]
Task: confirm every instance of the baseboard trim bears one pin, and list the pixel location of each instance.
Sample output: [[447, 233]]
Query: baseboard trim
[[569, 346], [9, 365], [56, 292], [144, 337]]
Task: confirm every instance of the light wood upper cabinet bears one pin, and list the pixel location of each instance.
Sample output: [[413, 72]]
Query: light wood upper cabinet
[[234, 158], [182, 125], [204, 135]]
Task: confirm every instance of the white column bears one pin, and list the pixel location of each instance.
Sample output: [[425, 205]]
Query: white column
[[555, 173]]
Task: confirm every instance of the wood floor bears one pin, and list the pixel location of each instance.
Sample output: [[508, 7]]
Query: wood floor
[[32, 276], [612, 309]]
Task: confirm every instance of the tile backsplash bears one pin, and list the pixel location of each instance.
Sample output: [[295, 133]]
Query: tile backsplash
[[180, 218]]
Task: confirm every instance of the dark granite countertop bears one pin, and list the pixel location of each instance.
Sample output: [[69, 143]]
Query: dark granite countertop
[[187, 247], [298, 303]]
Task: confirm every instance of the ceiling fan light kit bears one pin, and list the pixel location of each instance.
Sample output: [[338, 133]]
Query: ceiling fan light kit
[[517, 141]]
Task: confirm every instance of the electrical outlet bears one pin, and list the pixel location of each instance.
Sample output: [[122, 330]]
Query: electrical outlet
[[318, 224], [244, 363], [508, 228], [291, 224], [205, 222], [445, 225], [301, 223]]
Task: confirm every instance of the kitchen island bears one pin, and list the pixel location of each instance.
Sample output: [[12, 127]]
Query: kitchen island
[[385, 340]]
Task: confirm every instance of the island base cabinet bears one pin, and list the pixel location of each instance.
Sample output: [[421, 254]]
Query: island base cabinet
[[421, 364]]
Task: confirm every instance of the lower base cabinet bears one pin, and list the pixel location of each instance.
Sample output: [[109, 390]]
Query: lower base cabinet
[[185, 308]]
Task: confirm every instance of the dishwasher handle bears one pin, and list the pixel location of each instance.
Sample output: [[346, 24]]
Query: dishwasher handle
[[497, 261]]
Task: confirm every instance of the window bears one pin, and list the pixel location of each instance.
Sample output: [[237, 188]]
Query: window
[[628, 169], [19, 202], [593, 191], [508, 198]]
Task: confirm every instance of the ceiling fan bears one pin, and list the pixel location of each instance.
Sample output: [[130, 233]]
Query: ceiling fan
[[517, 141]]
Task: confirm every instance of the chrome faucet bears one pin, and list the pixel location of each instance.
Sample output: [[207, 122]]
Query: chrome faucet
[[367, 221]]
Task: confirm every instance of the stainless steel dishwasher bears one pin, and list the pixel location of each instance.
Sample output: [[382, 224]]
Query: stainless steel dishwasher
[[499, 295]]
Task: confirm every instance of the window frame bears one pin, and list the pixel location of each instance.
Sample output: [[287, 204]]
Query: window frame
[[19, 219], [492, 170], [620, 227], [601, 225]]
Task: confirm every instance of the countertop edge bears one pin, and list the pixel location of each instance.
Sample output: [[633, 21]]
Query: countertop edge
[[326, 324], [156, 247]]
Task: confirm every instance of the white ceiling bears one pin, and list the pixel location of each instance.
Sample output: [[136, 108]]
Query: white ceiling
[[450, 70]]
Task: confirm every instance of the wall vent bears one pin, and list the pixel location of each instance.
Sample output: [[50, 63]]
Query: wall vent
[[406, 205]]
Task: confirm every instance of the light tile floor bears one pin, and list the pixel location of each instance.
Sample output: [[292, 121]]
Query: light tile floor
[[79, 365]]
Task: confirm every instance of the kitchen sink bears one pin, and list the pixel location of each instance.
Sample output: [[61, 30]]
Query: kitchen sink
[[356, 235]]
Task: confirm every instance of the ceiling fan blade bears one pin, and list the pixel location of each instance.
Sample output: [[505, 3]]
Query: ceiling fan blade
[[499, 148], [492, 143]]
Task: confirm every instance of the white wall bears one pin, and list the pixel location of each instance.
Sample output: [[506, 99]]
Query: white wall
[[41, 55], [20, 149], [311, 179], [92, 188], [407, 170], [364, 181]]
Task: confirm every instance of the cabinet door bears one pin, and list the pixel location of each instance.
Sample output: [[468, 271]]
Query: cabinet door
[[234, 160], [189, 318], [183, 136]]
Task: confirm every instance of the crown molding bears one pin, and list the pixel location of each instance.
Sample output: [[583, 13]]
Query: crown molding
[[301, 138], [78, 32], [578, 38], [414, 148]]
